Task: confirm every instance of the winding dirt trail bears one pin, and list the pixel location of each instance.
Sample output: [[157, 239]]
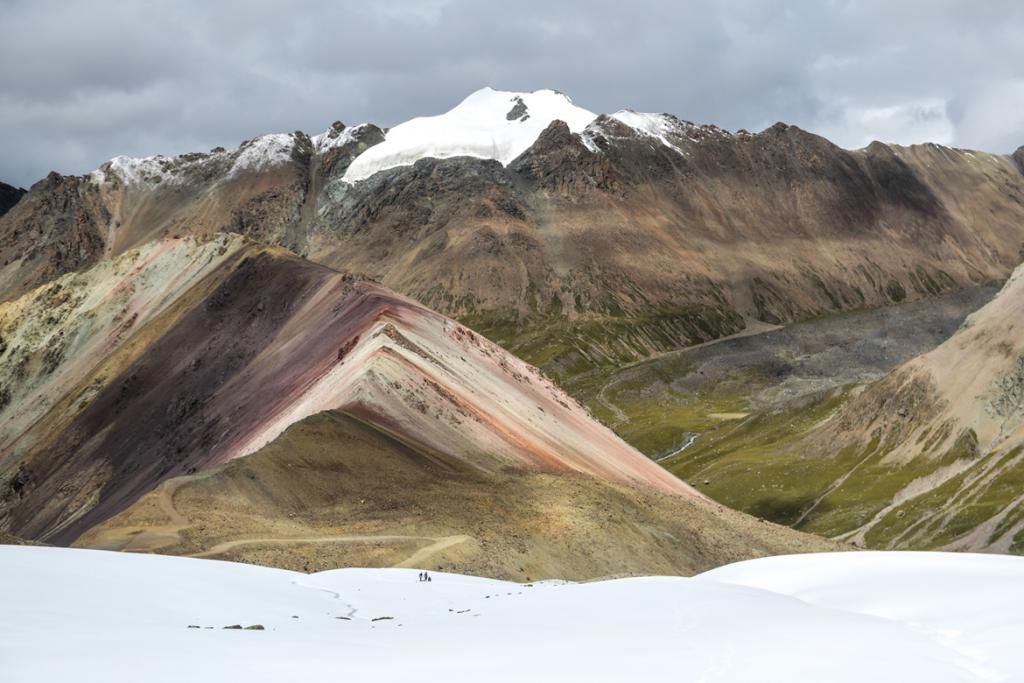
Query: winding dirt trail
[[438, 544], [147, 539], [157, 538], [419, 557], [620, 416]]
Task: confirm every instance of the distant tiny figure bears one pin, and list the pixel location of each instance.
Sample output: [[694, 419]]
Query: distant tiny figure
[[421, 577], [428, 578]]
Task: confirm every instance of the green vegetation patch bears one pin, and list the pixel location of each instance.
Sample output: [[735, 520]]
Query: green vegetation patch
[[567, 348], [757, 465]]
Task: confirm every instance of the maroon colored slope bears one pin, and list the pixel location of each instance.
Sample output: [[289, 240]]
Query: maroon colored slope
[[253, 342]]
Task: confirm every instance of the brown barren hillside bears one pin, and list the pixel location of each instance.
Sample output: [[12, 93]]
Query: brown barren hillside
[[640, 233], [363, 423]]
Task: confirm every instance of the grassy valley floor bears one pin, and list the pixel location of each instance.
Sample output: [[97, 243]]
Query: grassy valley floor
[[733, 418]]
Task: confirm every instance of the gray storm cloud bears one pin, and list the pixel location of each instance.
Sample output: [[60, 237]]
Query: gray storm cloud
[[82, 82]]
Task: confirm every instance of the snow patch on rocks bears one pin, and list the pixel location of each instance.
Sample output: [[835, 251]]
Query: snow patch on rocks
[[664, 129], [263, 152], [145, 171], [658, 126], [338, 135]]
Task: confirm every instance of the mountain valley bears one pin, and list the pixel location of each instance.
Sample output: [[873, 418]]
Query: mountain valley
[[594, 244]]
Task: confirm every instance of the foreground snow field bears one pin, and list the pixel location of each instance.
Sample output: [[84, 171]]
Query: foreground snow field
[[82, 615]]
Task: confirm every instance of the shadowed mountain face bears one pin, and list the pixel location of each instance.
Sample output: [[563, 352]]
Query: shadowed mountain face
[[184, 354], [640, 233], [9, 196]]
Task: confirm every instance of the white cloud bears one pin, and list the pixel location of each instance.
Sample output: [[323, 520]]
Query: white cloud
[[854, 126], [83, 82], [993, 118]]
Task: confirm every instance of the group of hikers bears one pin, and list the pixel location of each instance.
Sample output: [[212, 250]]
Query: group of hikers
[[424, 576]]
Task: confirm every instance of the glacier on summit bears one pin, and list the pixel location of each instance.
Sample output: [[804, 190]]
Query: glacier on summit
[[489, 124]]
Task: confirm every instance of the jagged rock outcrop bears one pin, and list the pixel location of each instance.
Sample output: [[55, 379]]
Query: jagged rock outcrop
[[59, 226], [9, 196]]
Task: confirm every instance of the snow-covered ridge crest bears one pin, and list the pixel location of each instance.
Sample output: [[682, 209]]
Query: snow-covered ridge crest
[[259, 153], [265, 151], [149, 171], [489, 124]]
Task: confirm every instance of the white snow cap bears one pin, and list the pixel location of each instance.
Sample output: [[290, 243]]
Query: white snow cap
[[489, 124]]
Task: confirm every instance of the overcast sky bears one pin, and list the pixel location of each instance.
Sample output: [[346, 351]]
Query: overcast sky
[[81, 82]]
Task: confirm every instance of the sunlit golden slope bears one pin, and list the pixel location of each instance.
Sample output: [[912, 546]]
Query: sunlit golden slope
[[334, 491]]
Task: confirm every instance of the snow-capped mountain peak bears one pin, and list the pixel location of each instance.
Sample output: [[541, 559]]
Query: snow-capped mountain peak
[[489, 124]]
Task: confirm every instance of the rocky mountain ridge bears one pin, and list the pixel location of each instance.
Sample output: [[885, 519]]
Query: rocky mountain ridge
[[637, 234]]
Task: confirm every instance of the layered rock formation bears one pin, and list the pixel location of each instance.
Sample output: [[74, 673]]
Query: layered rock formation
[[185, 354], [270, 409]]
